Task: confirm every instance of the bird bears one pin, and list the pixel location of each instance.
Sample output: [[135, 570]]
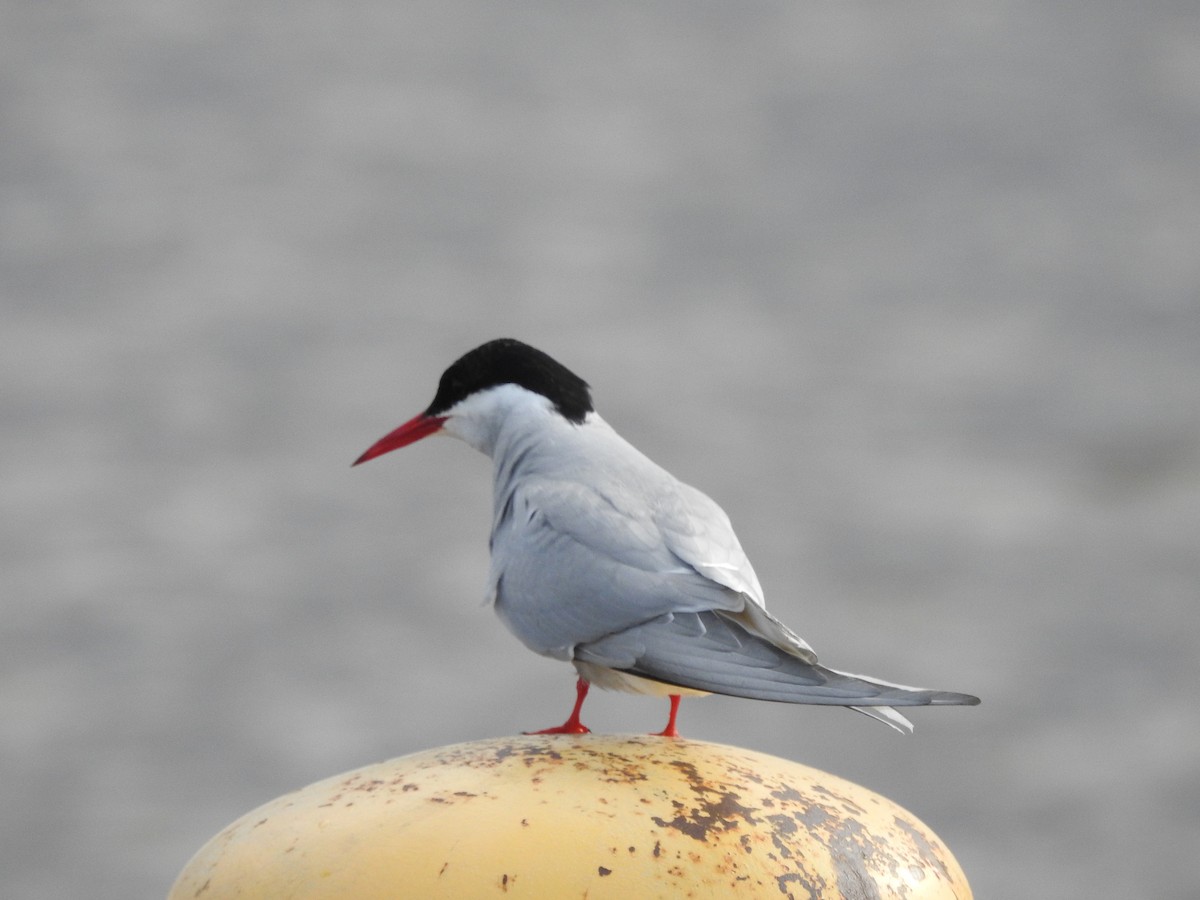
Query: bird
[[602, 558]]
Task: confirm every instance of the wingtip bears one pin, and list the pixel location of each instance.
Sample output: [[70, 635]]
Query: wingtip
[[950, 698]]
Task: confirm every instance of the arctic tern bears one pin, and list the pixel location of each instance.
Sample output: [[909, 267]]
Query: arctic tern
[[602, 558]]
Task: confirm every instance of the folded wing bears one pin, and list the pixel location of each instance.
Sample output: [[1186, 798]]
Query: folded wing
[[713, 651]]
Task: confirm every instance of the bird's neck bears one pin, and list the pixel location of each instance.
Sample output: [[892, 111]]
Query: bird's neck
[[534, 437]]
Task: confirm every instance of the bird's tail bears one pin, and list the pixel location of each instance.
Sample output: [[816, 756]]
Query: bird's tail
[[709, 651], [888, 716]]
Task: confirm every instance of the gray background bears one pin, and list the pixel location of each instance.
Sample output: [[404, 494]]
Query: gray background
[[910, 288]]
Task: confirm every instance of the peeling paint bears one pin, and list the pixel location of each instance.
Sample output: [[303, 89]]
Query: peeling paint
[[931, 854], [670, 818], [785, 881]]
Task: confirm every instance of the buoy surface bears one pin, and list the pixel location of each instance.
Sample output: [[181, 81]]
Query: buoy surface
[[596, 816]]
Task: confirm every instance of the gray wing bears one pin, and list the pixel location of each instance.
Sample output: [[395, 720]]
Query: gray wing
[[698, 531], [711, 651], [572, 563], [576, 560], [743, 652]]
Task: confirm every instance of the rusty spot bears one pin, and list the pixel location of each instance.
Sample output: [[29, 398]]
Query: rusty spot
[[928, 852], [525, 823], [603, 871], [657, 849], [721, 814], [814, 817], [855, 881], [782, 828], [615, 768], [813, 891], [410, 787], [748, 770], [504, 883], [530, 755], [851, 849], [788, 793], [783, 824], [632, 849]]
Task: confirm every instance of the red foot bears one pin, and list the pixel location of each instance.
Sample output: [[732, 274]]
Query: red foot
[[671, 730], [572, 725], [567, 727]]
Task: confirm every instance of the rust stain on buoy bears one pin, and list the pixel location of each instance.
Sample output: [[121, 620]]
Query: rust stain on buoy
[[599, 816]]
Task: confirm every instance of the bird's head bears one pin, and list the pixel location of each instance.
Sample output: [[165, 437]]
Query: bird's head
[[481, 388]]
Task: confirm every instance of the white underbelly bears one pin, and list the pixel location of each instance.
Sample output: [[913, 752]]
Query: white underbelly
[[612, 680]]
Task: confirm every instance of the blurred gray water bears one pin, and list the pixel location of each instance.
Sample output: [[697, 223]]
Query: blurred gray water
[[912, 289]]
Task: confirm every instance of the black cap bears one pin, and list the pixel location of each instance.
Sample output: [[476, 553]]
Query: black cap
[[509, 361]]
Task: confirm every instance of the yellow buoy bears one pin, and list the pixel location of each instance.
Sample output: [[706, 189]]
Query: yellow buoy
[[558, 816]]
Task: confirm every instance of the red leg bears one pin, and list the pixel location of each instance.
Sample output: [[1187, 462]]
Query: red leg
[[573, 725], [671, 730]]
